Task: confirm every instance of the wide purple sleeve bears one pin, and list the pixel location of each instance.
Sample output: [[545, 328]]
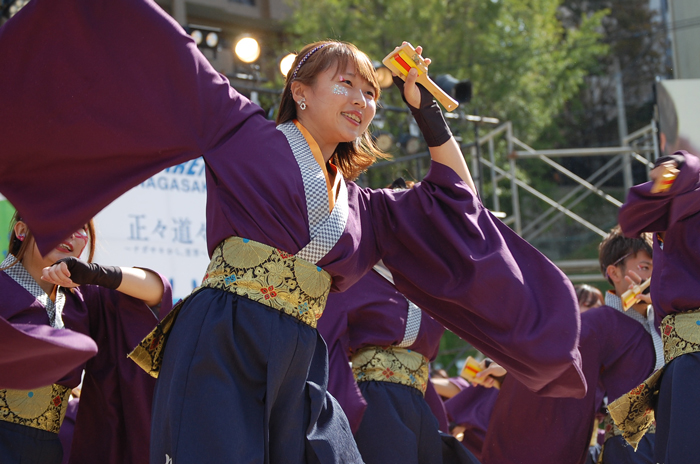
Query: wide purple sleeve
[[478, 278], [114, 418], [98, 96], [644, 211], [37, 355], [472, 409], [460, 382]]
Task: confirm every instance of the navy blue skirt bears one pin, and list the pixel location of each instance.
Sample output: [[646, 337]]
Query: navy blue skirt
[[618, 451], [241, 382], [678, 412], [399, 427], [27, 445]]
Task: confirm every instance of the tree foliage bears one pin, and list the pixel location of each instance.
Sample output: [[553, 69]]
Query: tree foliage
[[637, 37], [523, 62]]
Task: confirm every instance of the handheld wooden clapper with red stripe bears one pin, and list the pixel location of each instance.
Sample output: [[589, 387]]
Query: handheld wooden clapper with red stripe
[[665, 179], [470, 369], [631, 296], [401, 60]]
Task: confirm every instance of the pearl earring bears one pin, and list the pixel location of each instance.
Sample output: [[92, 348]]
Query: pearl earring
[[302, 104]]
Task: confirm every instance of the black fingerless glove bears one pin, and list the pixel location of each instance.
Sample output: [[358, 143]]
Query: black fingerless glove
[[429, 116], [91, 273], [679, 160]]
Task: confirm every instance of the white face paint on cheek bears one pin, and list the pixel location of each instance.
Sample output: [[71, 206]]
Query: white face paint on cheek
[[340, 90]]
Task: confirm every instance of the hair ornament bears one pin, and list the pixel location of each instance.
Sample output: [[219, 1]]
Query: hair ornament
[[306, 57]]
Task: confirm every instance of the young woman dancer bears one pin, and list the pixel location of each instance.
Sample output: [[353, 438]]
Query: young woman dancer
[[244, 364], [114, 306]]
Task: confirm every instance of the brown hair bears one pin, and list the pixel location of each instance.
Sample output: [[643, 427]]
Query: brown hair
[[352, 158], [588, 295], [18, 248], [616, 246]]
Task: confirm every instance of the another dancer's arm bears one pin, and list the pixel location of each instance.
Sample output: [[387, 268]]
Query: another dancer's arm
[[111, 115], [143, 284], [645, 211]]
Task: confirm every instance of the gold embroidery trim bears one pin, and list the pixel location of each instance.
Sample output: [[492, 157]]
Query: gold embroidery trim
[[40, 408], [633, 413], [391, 364], [255, 271], [612, 430]]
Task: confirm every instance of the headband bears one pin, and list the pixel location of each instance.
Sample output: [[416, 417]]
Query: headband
[[303, 60]]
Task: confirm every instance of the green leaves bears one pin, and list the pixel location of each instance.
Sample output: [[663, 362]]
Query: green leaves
[[523, 63]]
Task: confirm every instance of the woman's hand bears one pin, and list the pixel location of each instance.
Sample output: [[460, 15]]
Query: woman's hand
[[58, 274], [71, 272], [491, 376], [667, 166], [411, 92]]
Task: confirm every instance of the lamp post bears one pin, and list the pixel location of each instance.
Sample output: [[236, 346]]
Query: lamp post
[[247, 49], [205, 37], [9, 8], [286, 63]]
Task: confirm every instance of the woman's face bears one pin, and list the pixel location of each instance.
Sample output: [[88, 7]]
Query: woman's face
[[339, 107], [72, 246]]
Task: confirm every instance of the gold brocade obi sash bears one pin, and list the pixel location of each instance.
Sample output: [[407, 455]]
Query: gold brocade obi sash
[[612, 430], [255, 271], [41, 408], [391, 364], [633, 412]]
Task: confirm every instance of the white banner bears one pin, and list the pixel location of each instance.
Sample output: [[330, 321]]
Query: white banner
[[160, 225]]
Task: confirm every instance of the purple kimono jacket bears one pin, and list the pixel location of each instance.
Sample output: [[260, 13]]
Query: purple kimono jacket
[[675, 279], [114, 418], [129, 94], [472, 409], [38, 355], [618, 354], [371, 313]]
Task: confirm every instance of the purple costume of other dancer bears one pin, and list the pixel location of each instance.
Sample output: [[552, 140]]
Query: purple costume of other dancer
[[401, 424], [38, 355], [618, 354], [472, 408], [675, 288], [113, 422]]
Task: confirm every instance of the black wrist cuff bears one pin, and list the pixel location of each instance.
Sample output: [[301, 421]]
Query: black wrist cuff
[[678, 159], [92, 273], [429, 117], [432, 125]]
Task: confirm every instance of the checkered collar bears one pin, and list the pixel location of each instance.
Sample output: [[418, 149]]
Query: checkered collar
[[325, 228], [20, 275]]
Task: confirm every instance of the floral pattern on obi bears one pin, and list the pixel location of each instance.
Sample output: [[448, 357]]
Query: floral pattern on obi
[[255, 271], [40, 408], [633, 413], [391, 364]]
